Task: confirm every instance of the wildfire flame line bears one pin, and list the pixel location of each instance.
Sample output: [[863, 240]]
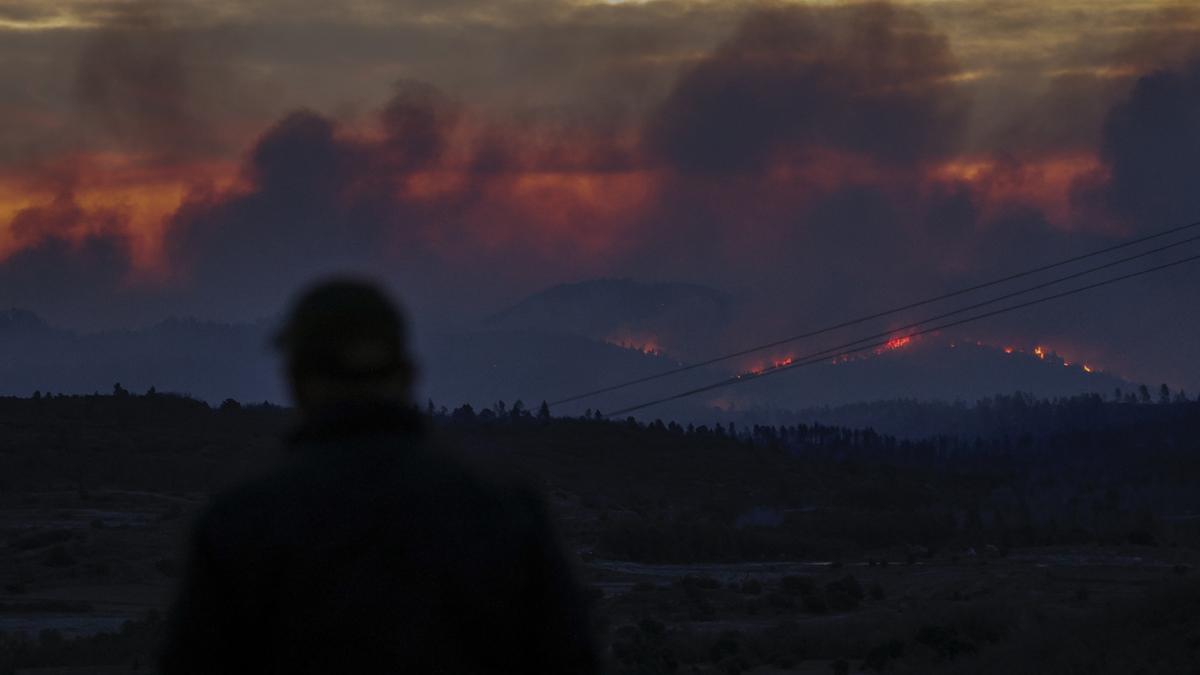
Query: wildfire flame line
[[1041, 352], [898, 342]]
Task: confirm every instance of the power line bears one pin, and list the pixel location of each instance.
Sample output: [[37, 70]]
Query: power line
[[821, 356], [899, 330], [877, 315]]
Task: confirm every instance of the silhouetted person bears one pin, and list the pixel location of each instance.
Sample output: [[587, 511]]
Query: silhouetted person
[[369, 551]]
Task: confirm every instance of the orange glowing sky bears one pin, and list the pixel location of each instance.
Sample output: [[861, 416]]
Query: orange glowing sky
[[500, 147], [619, 55]]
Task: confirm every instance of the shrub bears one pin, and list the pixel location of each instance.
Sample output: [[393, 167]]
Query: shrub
[[797, 584], [881, 655], [725, 645], [814, 602], [705, 583], [58, 556], [945, 641], [43, 539], [845, 593], [781, 601]]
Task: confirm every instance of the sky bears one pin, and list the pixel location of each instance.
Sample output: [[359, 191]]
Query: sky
[[816, 160]]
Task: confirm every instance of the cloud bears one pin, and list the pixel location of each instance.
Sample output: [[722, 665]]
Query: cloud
[[315, 199], [153, 86], [73, 266], [874, 80], [1151, 145], [813, 159]]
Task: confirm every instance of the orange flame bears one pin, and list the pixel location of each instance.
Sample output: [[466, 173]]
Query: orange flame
[[1043, 353], [648, 345], [894, 344]]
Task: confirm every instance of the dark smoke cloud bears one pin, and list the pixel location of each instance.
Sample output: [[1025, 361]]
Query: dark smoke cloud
[[74, 264], [150, 85], [792, 161], [292, 216], [1151, 145], [417, 121], [811, 90], [854, 103], [317, 201], [1034, 106], [869, 79], [59, 219]]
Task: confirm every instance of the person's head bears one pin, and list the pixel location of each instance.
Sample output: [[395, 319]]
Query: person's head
[[345, 341]]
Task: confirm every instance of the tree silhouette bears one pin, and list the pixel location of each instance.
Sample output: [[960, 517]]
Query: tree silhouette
[[463, 414]]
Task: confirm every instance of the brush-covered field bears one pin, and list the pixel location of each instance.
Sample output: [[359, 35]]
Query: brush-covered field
[[802, 549]]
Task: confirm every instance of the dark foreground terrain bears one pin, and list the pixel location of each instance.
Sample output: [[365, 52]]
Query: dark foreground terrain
[[1069, 548]]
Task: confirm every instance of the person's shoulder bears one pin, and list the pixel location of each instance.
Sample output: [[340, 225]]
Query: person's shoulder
[[505, 482], [249, 511], [476, 477], [483, 472]]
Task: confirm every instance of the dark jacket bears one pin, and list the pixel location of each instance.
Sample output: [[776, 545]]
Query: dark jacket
[[370, 552]]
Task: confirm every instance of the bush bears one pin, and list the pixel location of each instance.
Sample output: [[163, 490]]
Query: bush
[[944, 641], [640, 648], [880, 656], [814, 602], [797, 584], [704, 583], [725, 645], [844, 594], [134, 643], [43, 539], [781, 601], [58, 556], [1142, 538]]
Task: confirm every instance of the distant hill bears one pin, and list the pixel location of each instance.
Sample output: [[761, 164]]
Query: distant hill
[[214, 361], [565, 340], [486, 366], [928, 368], [20, 320], [681, 320], [211, 361]]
